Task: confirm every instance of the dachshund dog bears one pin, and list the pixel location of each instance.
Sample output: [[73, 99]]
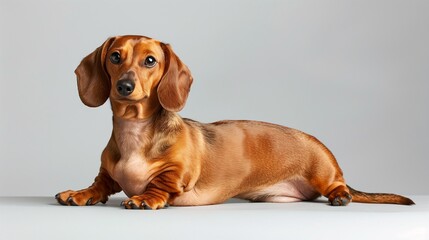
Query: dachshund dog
[[159, 159]]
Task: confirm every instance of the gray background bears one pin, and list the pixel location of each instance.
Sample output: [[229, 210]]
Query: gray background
[[352, 73]]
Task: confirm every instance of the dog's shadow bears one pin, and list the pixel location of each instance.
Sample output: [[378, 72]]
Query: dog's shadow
[[115, 202]]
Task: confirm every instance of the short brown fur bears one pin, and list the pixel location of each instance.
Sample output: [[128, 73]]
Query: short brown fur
[[158, 158]]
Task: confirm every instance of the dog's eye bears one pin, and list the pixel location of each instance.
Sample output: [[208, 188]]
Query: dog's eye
[[150, 62], [115, 58]]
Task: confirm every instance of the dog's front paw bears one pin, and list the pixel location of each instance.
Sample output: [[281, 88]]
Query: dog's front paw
[[84, 197], [144, 202]]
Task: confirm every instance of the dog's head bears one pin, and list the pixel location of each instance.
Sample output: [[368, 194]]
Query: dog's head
[[134, 69]]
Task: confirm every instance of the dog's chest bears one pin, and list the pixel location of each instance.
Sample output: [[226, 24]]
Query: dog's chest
[[132, 175], [132, 170]]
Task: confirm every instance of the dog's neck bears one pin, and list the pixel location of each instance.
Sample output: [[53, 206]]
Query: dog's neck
[[151, 134]]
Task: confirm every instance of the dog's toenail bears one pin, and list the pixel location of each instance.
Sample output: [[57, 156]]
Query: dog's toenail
[[145, 206], [71, 202]]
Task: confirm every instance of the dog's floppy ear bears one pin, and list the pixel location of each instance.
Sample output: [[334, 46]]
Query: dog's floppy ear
[[174, 86], [92, 80]]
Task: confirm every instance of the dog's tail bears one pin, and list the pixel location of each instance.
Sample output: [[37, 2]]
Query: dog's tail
[[388, 198]]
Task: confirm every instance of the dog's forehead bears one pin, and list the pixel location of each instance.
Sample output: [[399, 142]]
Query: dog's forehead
[[131, 39], [137, 43]]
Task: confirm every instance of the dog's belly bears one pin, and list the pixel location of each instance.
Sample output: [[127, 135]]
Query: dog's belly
[[132, 175], [291, 190], [198, 197]]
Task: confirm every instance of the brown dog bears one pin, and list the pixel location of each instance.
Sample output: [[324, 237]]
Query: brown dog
[[158, 158]]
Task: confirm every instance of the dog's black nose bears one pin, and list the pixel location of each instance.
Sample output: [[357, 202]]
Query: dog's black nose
[[125, 87]]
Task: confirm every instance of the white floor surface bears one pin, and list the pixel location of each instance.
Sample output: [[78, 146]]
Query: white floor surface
[[43, 218]]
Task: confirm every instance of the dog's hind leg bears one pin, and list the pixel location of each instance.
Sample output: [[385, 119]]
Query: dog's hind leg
[[326, 177]]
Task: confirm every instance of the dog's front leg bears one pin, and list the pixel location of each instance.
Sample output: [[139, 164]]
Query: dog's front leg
[[99, 191], [159, 192]]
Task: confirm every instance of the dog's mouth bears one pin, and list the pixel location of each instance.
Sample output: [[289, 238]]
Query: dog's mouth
[[129, 100]]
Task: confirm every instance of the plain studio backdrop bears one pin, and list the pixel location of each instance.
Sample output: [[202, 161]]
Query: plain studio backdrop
[[352, 73]]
